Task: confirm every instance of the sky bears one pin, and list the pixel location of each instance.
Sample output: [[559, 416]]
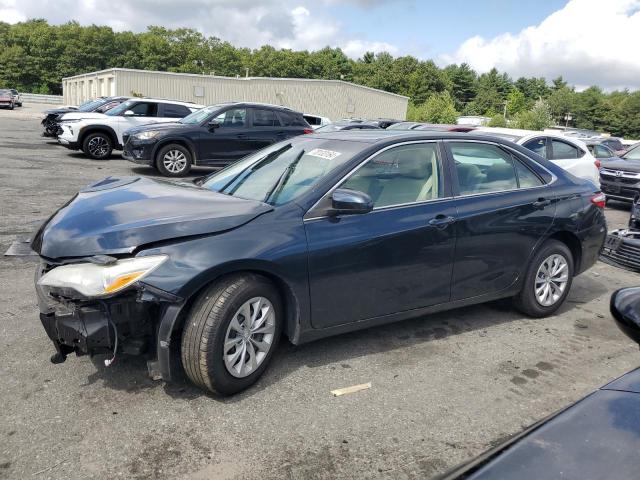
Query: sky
[[588, 42]]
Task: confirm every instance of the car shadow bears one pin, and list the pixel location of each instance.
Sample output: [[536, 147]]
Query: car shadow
[[129, 373]]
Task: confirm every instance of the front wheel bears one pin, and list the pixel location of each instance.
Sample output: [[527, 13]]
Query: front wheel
[[173, 160], [548, 280], [231, 333], [97, 145]]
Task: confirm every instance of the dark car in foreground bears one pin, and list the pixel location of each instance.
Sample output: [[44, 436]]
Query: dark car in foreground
[[620, 177], [7, 100], [213, 136], [51, 120], [596, 438], [313, 236]]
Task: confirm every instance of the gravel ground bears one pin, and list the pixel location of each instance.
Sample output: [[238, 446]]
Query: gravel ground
[[444, 387]]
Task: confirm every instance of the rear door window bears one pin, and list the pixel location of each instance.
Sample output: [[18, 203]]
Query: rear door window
[[482, 168], [561, 150], [537, 145], [265, 118], [174, 111]]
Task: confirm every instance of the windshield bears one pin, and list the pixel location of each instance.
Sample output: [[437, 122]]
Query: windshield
[[5, 92], [633, 154], [506, 136], [283, 171], [200, 116], [90, 106]]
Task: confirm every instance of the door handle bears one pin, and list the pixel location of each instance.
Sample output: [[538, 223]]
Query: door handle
[[541, 203], [242, 135], [441, 221]]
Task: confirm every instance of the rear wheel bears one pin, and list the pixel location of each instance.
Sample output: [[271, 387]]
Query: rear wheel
[[173, 160], [548, 280], [97, 145], [232, 333]]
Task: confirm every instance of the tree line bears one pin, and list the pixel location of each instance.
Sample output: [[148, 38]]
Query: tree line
[[35, 56]]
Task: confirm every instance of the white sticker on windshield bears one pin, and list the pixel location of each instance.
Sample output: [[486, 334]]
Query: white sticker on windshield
[[326, 154]]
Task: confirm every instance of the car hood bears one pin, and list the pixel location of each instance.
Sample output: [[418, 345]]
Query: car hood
[[626, 165], [58, 111], [117, 215], [157, 126], [82, 115]]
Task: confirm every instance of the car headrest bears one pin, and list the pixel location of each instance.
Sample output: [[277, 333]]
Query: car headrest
[[500, 171]]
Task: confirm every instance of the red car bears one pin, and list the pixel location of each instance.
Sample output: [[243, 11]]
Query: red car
[[6, 99]]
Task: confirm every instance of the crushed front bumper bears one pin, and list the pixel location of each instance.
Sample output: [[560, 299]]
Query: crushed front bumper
[[622, 249], [89, 327]]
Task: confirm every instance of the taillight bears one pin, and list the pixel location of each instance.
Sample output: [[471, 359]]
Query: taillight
[[307, 130], [598, 164], [599, 200]]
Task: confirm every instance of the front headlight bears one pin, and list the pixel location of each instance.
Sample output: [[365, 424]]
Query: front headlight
[[149, 134], [93, 280]]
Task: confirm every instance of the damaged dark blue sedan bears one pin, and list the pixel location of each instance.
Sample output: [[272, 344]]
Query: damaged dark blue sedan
[[314, 236]]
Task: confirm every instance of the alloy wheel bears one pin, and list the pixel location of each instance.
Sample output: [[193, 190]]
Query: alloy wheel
[[98, 147], [551, 280], [249, 337], [174, 161]]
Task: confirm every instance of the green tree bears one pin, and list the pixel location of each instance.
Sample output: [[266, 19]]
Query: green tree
[[538, 118], [463, 84], [516, 102], [439, 108]]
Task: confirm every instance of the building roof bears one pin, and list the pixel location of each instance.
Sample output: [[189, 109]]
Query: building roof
[[273, 79]]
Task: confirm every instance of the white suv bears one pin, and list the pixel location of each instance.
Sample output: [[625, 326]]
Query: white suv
[[568, 153], [98, 134]]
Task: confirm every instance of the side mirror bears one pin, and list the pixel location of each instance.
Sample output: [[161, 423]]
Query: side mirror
[[625, 308], [350, 202], [212, 125], [129, 113]]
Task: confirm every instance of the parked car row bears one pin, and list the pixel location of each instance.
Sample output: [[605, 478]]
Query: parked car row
[[53, 117], [10, 98]]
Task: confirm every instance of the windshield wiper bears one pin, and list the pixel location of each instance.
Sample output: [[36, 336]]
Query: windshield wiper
[[279, 185]]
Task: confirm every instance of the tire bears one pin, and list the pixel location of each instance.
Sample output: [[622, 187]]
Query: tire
[[209, 326], [527, 301], [98, 145], [173, 160], [12, 107]]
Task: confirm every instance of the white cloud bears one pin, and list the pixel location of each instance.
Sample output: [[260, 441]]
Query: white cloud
[[588, 42], [297, 25]]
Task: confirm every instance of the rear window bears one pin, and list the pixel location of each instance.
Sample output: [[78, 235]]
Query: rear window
[[561, 150], [290, 119], [174, 111], [312, 120]]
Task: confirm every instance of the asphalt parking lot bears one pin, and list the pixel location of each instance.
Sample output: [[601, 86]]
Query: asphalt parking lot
[[444, 387]]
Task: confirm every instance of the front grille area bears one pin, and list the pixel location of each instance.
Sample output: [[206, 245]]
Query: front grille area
[[627, 254]]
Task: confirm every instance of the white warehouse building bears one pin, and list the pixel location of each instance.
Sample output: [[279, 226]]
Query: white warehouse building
[[334, 99]]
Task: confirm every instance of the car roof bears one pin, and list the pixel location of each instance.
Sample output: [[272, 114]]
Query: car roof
[[257, 104], [164, 100], [375, 136]]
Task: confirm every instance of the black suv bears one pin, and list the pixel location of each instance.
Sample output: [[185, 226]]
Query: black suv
[[214, 136], [99, 105]]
